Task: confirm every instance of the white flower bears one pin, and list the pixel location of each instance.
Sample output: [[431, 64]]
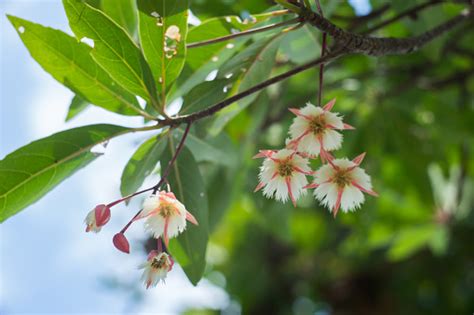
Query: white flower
[[156, 268], [166, 216], [97, 218], [340, 184], [283, 174], [172, 33], [90, 222], [313, 130]]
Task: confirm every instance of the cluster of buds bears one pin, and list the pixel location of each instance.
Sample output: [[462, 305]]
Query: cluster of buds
[[314, 133], [165, 217]]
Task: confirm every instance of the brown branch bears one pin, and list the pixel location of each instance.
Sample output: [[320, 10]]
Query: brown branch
[[374, 46], [346, 43], [217, 107]]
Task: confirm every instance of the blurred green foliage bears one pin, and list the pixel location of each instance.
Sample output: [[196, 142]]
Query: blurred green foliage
[[405, 252]]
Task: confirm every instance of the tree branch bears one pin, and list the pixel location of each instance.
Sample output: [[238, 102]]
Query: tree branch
[[380, 46], [346, 43], [217, 107]]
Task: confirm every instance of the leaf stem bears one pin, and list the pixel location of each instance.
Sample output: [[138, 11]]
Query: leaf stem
[[244, 33], [323, 51]]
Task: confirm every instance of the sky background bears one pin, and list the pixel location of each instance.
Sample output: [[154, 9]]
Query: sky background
[[47, 263]]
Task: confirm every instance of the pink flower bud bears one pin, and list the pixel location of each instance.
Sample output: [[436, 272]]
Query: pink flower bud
[[102, 215], [121, 243]]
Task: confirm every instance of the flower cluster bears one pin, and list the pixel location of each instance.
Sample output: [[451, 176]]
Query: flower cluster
[[165, 217], [314, 133]]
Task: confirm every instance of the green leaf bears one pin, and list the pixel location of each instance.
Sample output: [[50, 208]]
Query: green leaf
[[113, 50], [188, 186], [213, 28], [204, 95], [30, 172], [256, 63], [123, 12], [164, 53], [411, 239], [203, 150], [202, 60], [142, 163], [70, 63], [301, 45], [78, 104], [93, 3]]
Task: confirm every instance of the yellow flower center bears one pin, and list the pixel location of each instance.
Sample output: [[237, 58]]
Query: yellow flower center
[[167, 210], [160, 262], [285, 168], [342, 178], [317, 125]]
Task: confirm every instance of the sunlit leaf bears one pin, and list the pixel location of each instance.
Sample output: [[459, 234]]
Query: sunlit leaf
[[203, 59], [163, 30], [78, 104], [30, 172], [69, 62], [123, 12], [113, 50]]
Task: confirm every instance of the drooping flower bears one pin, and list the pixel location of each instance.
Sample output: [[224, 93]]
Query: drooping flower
[[313, 130], [96, 218], [156, 268], [166, 216], [340, 184], [283, 174]]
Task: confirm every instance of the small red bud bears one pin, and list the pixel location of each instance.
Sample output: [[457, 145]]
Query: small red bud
[[121, 243], [102, 215]]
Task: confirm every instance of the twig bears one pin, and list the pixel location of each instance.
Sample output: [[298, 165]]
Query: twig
[[243, 33], [216, 107], [323, 50]]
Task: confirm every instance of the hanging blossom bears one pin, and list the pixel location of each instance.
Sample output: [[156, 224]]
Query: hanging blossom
[[340, 184], [96, 218], [283, 174], [156, 268], [314, 133], [166, 216], [313, 130]]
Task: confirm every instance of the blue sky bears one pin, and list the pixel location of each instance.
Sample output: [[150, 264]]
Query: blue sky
[[47, 263]]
